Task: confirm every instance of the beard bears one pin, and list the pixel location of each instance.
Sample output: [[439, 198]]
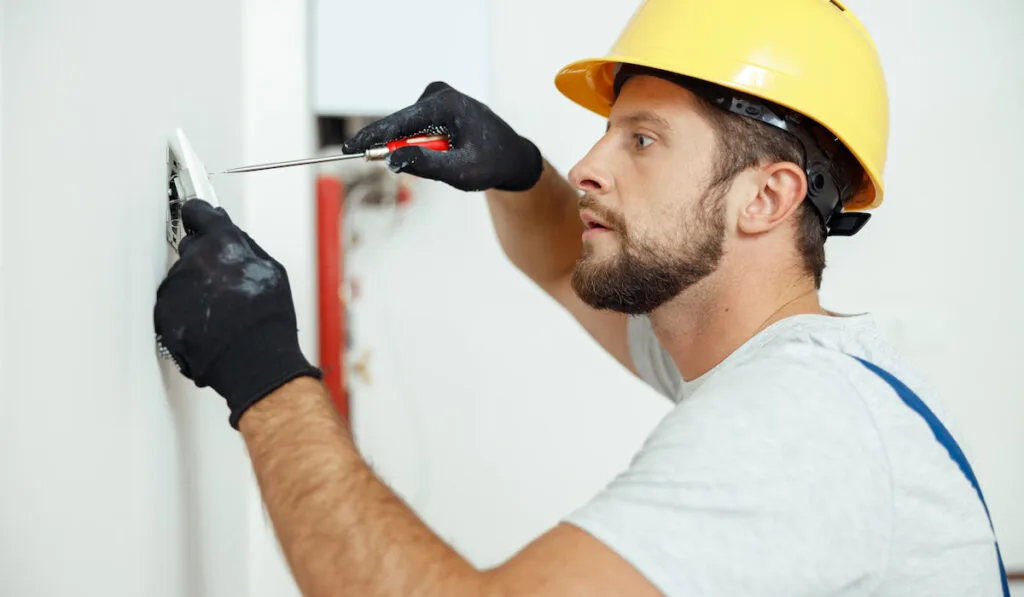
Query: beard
[[644, 275]]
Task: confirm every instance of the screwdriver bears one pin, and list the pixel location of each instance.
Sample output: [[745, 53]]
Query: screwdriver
[[434, 142]]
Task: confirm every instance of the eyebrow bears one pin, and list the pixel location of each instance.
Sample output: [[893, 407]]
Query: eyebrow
[[645, 116]]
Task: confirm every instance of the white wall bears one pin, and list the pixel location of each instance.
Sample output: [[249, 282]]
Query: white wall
[[2, 2], [118, 478], [278, 206], [494, 414]]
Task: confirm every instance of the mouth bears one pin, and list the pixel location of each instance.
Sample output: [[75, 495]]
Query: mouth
[[592, 223]]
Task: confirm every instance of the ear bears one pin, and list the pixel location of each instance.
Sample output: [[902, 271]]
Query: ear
[[783, 186]]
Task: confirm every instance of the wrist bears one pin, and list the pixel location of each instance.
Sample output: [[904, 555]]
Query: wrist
[[257, 363], [293, 398]]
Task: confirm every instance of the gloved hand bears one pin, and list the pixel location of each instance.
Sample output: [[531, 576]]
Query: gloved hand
[[485, 152], [225, 312]]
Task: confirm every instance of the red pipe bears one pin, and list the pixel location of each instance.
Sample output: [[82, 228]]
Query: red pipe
[[330, 262]]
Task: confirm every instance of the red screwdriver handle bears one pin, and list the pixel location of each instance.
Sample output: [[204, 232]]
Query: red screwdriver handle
[[434, 142]]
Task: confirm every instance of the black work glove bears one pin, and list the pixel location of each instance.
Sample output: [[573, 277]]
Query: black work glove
[[485, 152], [225, 312]]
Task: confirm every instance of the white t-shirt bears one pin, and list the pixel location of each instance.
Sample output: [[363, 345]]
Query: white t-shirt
[[791, 470]]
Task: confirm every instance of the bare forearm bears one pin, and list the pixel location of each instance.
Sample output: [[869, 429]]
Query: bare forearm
[[342, 531], [539, 229]]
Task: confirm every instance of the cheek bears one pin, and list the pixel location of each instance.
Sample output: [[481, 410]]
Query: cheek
[[658, 218], [649, 230], [667, 186], [659, 192]]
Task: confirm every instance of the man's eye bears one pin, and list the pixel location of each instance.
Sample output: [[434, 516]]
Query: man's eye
[[643, 141]]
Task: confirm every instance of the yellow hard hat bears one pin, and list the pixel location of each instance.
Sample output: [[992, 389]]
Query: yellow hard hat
[[813, 57]]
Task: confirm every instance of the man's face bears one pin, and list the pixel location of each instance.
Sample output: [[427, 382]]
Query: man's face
[[654, 227]]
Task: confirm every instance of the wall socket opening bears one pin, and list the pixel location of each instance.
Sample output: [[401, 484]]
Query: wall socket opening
[[175, 199]]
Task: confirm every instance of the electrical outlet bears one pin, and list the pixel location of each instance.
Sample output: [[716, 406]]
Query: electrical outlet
[[187, 179], [175, 200]]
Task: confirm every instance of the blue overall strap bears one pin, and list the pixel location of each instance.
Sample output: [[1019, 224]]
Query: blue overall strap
[[946, 439]]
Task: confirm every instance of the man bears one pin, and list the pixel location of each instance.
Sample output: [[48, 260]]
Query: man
[[800, 458]]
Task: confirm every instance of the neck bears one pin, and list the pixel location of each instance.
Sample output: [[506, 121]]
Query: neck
[[708, 322]]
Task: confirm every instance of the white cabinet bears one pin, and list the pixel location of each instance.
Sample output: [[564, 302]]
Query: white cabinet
[[371, 58]]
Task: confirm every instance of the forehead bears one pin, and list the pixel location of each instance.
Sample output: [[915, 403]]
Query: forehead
[[647, 93]]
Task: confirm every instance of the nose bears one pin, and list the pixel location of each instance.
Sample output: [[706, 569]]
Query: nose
[[590, 174]]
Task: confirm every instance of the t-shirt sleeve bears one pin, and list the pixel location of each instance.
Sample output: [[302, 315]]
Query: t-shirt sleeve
[[770, 480], [652, 361]]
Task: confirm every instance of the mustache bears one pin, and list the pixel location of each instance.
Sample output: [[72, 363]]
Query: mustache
[[613, 219]]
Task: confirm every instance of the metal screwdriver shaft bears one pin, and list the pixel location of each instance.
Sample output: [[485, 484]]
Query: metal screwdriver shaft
[[433, 142], [272, 165]]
